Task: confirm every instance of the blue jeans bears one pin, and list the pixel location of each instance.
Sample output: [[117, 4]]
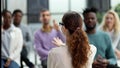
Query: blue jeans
[[12, 64]]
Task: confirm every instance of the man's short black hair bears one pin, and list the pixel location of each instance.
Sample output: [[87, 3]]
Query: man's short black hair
[[43, 10], [87, 10], [5, 11], [16, 11]]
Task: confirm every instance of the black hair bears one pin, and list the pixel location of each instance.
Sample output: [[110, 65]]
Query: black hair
[[87, 10], [5, 11], [16, 11], [43, 10]]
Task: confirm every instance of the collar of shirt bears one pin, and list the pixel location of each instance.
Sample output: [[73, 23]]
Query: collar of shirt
[[10, 29]]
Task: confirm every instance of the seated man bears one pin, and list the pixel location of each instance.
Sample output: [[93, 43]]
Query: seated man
[[105, 57], [44, 36], [27, 38], [11, 42]]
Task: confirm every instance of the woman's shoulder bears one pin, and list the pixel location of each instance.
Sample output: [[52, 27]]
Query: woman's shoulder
[[58, 50], [93, 48]]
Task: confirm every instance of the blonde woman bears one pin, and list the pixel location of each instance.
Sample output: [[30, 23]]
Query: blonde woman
[[111, 25]]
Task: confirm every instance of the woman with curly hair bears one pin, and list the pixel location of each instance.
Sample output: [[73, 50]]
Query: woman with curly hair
[[111, 25], [77, 52]]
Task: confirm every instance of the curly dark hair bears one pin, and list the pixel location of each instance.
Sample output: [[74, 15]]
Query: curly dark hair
[[88, 10], [78, 44]]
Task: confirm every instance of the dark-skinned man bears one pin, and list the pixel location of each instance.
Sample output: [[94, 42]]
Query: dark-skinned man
[[105, 57]]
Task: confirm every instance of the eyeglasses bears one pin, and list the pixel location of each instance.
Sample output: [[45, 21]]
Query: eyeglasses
[[60, 23]]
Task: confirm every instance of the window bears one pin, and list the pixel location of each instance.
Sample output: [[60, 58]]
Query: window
[[33, 9], [3, 4]]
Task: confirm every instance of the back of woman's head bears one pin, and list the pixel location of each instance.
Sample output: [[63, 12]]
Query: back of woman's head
[[78, 45], [72, 21]]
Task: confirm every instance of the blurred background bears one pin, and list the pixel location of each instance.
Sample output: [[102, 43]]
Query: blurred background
[[31, 8], [57, 8]]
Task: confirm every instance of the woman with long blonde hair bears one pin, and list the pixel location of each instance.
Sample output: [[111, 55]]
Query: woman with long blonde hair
[[77, 52], [111, 25]]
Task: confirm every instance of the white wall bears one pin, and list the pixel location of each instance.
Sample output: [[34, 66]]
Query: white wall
[[58, 5], [62, 6], [78, 5], [114, 3], [55, 6], [18, 4]]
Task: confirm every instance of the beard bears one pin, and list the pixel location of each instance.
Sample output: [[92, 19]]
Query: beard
[[45, 22], [88, 27]]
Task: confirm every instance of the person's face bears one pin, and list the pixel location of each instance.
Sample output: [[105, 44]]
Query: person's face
[[17, 17], [109, 20], [90, 20], [45, 17], [7, 19]]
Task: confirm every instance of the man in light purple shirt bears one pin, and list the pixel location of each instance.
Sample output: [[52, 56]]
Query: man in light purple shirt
[[43, 37]]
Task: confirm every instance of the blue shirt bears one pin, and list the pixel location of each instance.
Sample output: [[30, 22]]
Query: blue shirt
[[27, 36]]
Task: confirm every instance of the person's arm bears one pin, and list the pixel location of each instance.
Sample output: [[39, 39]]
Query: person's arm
[[117, 52], [38, 46], [118, 45], [59, 33], [61, 36], [92, 54], [18, 46], [110, 55], [29, 40], [93, 51]]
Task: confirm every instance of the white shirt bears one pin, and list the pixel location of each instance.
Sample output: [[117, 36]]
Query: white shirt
[[59, 57], [115, 39], [16, 43]]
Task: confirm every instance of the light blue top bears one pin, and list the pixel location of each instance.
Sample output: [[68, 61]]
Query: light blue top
[[104, 46]]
